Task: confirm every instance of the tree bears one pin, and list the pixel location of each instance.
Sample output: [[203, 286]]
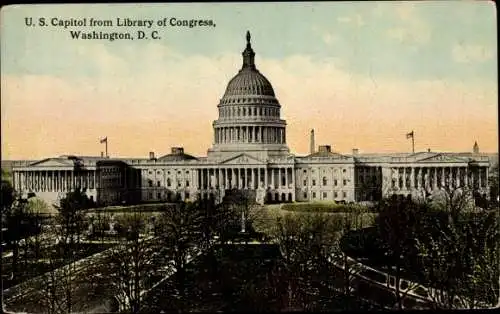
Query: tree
[[131, 263], [396, 225], [181, 234], [494, 186], [16, 219], [307, 243], [59, 284], [447, 245]]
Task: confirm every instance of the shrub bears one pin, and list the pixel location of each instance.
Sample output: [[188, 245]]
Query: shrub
[[325, 207]]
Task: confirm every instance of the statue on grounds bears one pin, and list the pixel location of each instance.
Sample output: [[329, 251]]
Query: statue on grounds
[[112, 224]]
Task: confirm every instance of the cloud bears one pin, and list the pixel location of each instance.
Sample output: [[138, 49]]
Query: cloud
[[410, 27], [468, 53], [355, 20], [329, 38], [169, 99]]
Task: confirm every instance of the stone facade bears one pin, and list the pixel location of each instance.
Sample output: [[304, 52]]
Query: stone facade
[[250, 152]]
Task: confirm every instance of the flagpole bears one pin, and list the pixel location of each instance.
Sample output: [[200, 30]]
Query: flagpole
[[412, 142], [107, 147]]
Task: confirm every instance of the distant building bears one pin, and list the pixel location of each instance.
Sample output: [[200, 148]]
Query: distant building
[[250, 152]]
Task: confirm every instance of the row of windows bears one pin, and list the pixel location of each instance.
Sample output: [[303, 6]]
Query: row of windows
[[325, 182], [254, 111], [168, 172], [324, 170], [110, 170], [248, 100], [325, 194], [170, 197], [169, 183]]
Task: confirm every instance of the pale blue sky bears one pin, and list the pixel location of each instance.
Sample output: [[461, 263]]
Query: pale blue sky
[[358, 33]]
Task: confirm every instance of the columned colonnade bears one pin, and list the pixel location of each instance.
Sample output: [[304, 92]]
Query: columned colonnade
[[53, 180], [250, 134], [434, 177], [246, 177]]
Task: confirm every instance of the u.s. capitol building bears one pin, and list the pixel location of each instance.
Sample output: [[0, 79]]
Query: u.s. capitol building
[[250, 152]]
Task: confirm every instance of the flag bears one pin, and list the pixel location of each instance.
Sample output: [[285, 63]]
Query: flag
[[409, 135], [104, 140]]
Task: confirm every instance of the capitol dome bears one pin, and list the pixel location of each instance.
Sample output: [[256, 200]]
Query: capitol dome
[[249, 81], [249, 116]]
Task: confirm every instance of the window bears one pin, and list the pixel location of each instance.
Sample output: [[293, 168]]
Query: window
[[158, 172], [179, 184], [335, 182], [305, 171], [314, 194], [158, 183], [186, 195], [159, 195], [187, 171], [305, 194], [305, 181], [179, 172], [168, 182], [150, 183], [344, 171], [325, 181], [150, 172], [344, 182], [168, 172], [344, 194], [314, 182], [150, 195], [187, 183], [325, 195], [335, 194]]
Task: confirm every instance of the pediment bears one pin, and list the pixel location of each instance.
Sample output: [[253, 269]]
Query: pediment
[[242, 159], [53, 162], [442, 158]]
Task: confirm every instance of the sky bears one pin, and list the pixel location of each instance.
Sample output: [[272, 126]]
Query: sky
[[361, 74]]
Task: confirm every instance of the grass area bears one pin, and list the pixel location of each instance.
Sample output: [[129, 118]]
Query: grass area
[[130, 208], [267, 215], [324, 207]]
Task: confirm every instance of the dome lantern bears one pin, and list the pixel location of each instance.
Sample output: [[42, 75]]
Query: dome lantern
[[248, 54]]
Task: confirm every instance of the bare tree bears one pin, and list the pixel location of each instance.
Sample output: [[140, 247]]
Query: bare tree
[[307, 243], [131, 263], [59, 284], [396, 224], [181, 234]]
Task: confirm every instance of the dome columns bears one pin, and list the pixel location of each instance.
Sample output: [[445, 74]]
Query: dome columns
[[250, 134]]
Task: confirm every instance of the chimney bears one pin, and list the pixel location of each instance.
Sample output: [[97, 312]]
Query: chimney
[[355, 152], [151, 155], [428, 150], [311, 147], [177, 150], [102, 154], [325, 149]]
